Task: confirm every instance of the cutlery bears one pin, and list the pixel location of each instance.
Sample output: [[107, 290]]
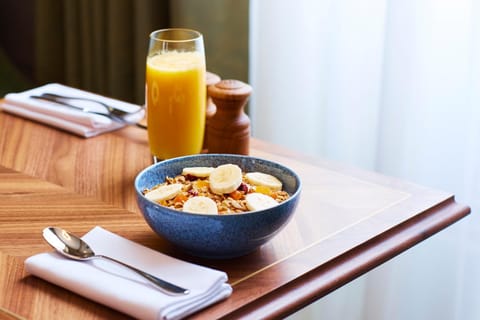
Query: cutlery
[[108, 107], [75, 248], [112, 113]]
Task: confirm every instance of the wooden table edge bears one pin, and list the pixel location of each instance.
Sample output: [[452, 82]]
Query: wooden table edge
[[9, 315], [338, 272]]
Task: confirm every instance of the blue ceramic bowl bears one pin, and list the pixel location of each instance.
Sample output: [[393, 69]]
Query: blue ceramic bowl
[[217, 236]]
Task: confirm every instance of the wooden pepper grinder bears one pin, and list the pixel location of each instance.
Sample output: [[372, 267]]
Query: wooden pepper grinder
[[229, 128], [212, 79]]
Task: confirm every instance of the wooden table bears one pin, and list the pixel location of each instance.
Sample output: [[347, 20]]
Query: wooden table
[[348, 222]]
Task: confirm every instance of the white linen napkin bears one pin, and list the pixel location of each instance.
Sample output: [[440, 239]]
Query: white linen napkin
[[122, 289], [66, 118]]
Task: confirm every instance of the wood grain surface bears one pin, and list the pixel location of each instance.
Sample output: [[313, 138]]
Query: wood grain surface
[[348, 221]]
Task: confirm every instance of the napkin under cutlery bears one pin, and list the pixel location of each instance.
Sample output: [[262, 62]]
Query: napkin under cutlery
[[68, 119], [121, 289]]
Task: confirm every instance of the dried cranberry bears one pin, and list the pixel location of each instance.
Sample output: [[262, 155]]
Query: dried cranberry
[[190, 177], [193, 192], [243, 187]]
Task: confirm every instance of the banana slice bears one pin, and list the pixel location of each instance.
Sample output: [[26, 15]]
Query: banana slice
[[165, 192], [225, 178], [264, 179], [199, 172], [258, 201], [200, 204]]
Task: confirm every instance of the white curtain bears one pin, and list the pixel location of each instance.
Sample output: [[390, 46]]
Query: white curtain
[[391, 86]]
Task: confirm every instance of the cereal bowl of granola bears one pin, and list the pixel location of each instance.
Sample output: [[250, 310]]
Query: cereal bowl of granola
[[217, 205]]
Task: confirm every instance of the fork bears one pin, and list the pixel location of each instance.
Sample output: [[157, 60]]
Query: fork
[[112, 113], [109, 108]]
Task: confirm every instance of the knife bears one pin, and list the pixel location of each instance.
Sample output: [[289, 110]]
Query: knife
[[114, 114]]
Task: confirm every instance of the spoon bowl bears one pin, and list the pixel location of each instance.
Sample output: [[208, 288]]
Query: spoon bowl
[[75, 248], [67, 244]]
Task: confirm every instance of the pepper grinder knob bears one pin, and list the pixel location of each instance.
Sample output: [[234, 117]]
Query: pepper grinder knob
[[229, 128]]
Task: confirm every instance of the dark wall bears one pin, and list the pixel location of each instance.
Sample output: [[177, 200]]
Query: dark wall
[[16, 34]]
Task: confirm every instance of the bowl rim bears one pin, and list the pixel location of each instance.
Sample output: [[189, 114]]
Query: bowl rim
[[208, 155]]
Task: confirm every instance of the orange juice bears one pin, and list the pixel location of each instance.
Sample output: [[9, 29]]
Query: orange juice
[[176, 96]]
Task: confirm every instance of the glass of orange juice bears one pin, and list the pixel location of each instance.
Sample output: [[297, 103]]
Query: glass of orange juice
[[175, 93]]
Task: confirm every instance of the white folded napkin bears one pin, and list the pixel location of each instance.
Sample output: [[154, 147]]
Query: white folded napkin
[[66, 118], [122, 289]]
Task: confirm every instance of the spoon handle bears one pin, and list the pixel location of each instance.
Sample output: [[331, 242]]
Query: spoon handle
[[163, 285]]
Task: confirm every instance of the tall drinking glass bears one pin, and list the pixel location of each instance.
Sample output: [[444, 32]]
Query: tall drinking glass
[[175, 93]]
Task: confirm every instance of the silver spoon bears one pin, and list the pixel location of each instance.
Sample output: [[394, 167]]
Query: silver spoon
[[75, 248]]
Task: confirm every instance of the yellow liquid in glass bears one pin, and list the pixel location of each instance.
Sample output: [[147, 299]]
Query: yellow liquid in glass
[[176, 98]]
